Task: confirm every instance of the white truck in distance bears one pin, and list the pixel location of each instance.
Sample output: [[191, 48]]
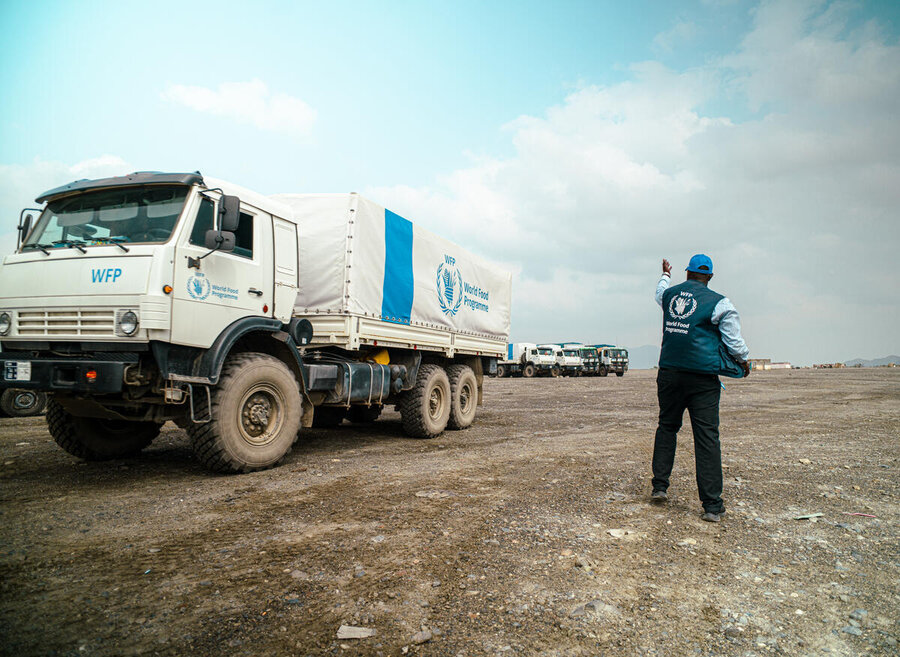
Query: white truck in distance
[[528, 360], [169, 296], [612, 359], [567, 358]]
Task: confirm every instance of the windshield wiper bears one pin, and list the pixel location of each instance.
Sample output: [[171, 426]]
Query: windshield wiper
[[112, 240], [42, 247], [78, 244]]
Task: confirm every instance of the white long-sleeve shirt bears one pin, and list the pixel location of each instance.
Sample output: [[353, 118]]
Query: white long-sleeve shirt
[[724, 315]]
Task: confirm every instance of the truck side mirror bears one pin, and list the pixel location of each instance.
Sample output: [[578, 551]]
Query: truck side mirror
[[215, 240], [229, 213], [24, 226]]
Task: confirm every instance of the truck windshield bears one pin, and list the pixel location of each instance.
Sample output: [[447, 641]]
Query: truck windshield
[[133, 214], [545, 352]]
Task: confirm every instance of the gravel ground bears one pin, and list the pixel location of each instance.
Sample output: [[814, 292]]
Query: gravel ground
[[528, 534]]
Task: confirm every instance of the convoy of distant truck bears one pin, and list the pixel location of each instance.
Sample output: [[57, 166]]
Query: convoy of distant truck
[[566, 359]]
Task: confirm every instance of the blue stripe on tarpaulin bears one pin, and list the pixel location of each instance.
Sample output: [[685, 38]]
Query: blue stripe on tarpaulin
[[397, 294], [509, 352]]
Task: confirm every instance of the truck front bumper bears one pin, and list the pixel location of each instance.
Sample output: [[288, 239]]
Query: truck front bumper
[[64, 374]]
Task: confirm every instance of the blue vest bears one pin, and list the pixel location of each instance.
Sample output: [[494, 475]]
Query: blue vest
[[691, 342]]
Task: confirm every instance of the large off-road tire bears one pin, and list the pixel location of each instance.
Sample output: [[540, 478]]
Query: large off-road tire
[[528, 370], [501, 371], [16, 402], [96, 439], [603, 371], [256, 410], [328, 417], [463, 396], [425, 410], [364, 414], [620, 373], [554, 371]]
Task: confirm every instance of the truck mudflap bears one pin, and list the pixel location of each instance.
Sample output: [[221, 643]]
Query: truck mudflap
[[95, 375]]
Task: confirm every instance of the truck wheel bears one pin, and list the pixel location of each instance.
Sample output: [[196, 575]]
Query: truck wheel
[[425, 409], [554, 371], [255, 415], [603, 371], [463, 396], [22, 403], [364, 414], [528, 371], [97, 439], [328, 417], [620, 373], [501, 371]]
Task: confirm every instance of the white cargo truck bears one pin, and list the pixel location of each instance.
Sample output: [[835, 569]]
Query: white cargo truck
[[528, 360], [612, 359], [568, 359], [243, 318]]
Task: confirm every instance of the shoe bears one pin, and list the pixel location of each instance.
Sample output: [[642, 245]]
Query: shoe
[[659, 497], [708, 516]]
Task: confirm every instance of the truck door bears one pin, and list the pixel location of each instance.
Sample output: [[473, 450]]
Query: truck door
[[286, 269], [228, 285]]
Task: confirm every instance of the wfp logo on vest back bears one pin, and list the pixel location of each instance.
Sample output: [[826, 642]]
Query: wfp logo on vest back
[[682, 305], [449, 286]]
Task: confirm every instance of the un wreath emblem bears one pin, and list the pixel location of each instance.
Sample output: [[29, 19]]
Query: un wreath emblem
[[198, 286], [449, 288], [682, 307]]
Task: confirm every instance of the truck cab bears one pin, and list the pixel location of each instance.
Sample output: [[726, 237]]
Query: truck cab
[[590, 360], [571, 361], [612, 359], [569, 364]]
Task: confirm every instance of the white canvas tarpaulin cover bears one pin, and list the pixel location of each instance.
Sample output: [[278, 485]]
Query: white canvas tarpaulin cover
[[358, 258]]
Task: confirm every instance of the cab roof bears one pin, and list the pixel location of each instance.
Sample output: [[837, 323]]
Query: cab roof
[[136, 178]]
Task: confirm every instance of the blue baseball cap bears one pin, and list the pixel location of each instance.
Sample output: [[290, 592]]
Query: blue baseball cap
[[699, 261]]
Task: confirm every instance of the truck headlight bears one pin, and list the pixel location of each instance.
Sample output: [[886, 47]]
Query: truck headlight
[[127, 323], [5, 323]]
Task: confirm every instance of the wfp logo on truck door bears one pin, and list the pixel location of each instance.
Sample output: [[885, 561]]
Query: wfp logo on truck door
[[449, 286], [198, 286]]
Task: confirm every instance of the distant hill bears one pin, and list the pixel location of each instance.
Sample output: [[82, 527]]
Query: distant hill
[[877, 362], [643, 358]]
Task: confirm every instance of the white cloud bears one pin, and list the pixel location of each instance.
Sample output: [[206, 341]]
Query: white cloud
[[798, 207], [21, 183], [247, 102], [682, 32]]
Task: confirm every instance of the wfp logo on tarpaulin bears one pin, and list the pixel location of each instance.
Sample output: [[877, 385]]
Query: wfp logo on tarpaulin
[[449, 286]]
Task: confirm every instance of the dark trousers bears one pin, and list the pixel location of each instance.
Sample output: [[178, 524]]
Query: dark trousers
[[699, 394]]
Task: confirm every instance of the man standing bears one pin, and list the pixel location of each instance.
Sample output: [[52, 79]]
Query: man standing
[[701, 339]]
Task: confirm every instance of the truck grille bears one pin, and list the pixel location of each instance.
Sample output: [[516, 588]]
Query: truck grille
[[61, 323]]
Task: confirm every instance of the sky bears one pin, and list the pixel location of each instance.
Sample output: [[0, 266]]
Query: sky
[[574, 143]]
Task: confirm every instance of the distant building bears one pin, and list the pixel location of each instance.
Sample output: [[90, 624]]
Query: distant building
[[767, 364]]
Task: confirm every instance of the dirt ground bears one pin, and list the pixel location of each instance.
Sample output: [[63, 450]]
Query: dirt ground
[[528, 534]]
